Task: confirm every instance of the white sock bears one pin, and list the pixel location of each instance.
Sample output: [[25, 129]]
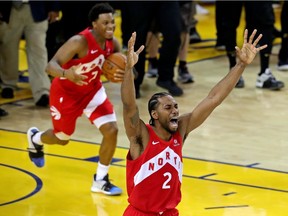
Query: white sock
[[102, 171], [37, 138]]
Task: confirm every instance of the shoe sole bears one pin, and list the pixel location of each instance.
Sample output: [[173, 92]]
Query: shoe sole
[[283, 68], [271, 88], [173, 94], [239, 86], [186, 81], [151, 75], [96, 190]]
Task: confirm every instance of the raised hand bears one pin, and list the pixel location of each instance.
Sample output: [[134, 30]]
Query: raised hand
[[132, 56], [249, 49]]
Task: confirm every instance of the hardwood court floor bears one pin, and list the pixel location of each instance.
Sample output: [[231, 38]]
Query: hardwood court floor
[[235, 164]]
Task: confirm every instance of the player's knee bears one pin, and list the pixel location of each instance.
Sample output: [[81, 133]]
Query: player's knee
[[63, 142], [61, 138], [113, 130], [110, 130]]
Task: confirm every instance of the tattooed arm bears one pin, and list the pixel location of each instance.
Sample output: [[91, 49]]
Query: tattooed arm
[[135, 128]]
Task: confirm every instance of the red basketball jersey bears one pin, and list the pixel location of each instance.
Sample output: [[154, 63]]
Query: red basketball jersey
[[68, 101], [91, 66], [154, 179]]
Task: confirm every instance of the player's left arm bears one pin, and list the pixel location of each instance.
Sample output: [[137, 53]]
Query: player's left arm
[[221, 90]]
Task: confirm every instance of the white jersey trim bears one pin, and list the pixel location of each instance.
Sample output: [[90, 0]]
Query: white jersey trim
[[96, 101], [104, 119]]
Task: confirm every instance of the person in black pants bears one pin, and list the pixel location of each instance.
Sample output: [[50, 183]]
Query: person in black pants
[[74, 20], [139, 16], [283, 53], [260, 16]]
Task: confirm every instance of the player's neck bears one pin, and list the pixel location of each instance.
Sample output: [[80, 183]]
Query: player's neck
[[99, 39], [162, 133]]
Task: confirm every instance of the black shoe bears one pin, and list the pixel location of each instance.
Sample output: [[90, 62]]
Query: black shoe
[[240, 83], [194, 36], [7, 93], [171, 86], [43, 101], [184, 76], [220, 46], [3, 112]]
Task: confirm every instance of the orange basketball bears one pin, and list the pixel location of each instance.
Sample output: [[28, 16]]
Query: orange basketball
[[112, 63]]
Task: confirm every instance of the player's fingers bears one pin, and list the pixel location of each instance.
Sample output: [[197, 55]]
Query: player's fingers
[[237, 49], [132, 40], [119, 73], [252, 36], [82, 83], [83, 77], [245, 36], [140, 49], [257, 40], [77, 66], [261, 47]]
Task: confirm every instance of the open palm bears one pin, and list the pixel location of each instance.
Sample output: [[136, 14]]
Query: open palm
[[249, 49]]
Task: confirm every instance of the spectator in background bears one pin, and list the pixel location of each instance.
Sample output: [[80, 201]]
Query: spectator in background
[[283, 53], [74, 19], [220, 32], [31, 20], [138, 16], [194, 36], [259, 15], [153, 44]]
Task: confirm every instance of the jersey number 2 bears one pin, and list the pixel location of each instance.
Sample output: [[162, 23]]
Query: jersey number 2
[[166, 183]]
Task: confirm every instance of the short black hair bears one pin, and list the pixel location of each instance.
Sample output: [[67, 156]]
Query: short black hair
[[97, 9], [153, 102]]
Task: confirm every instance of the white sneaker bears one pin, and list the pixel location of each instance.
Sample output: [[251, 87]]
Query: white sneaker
[[201, 10], [282, 66], [104, 186], [267, 81], [35, 150], [152, 72]]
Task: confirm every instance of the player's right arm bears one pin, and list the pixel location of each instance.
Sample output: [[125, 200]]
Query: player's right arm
[[135, 128], [75, 46]]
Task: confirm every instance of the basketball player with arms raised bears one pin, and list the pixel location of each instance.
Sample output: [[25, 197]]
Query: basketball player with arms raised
[[77, 89], [154, 160]]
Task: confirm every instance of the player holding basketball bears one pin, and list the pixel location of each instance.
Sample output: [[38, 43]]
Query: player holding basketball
[[77, 89], [154, 160]]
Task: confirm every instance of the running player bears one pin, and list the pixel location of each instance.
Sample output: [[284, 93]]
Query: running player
[[77, 89]]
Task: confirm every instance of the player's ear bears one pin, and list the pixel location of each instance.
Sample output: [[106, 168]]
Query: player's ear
[[154, 114], [94, 24]]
